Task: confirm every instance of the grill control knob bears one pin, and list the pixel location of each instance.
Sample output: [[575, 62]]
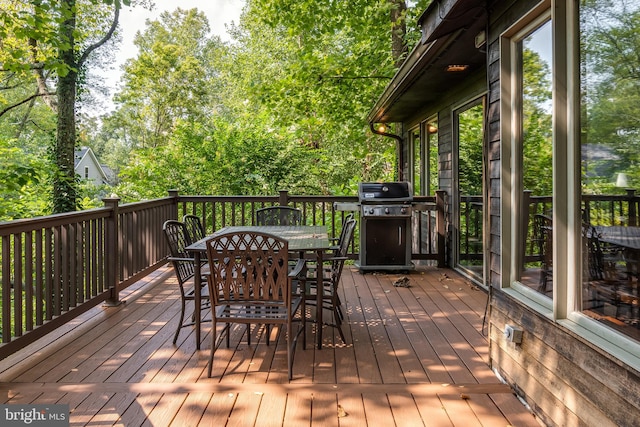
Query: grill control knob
[[386, 210], [371, 211], [403, 210]]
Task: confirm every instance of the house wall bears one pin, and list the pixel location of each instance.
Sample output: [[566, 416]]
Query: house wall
[[565, 379], [94, 173]]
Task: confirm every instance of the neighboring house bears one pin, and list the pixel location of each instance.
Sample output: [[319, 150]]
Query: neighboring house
[[88, 168], [508, 106]]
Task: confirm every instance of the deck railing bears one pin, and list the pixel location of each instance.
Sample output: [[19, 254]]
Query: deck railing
[[57, 267], [54, 268]]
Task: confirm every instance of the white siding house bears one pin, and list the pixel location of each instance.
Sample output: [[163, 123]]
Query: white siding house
[[88, 168]]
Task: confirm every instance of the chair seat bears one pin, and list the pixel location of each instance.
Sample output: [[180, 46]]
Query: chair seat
[[250, 313], [204, 290]]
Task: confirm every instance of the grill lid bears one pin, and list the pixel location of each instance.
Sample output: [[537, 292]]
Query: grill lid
[[384, 192]]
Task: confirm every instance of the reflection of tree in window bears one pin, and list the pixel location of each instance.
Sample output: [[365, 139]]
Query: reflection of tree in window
[[432, 147], [610, 42], [470, 149], [537, 150], [610, 147], [536, 119]]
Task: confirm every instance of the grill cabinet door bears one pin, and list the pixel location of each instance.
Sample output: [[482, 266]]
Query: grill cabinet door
[[385, 241]]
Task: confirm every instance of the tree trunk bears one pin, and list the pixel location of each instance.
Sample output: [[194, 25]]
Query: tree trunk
[[65, 191], [398, 31]]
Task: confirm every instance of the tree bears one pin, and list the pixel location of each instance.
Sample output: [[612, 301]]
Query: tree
[[610, 80], [170, 80], [325, 64], [48, 40]]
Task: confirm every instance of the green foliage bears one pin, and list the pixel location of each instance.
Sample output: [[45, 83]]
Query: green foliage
[[44, 48], [276, 109], [21, 179]]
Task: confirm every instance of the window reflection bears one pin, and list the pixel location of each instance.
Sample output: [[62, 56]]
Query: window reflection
[[470, 217], [610, 147], [432, 157], [536, 156], [417, 161]]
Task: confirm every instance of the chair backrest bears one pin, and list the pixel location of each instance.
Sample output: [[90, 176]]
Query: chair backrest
[[543, 235], [594, 260], [343, 249], [195, 229], [249, 267], [279, 215], [344, 230], [178, 239]]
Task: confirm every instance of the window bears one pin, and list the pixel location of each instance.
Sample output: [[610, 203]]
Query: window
[[527, 151], [86, 172], [431, 156], [424, 146], [469, 224], [416, 146], [533, 51], [610, 155]]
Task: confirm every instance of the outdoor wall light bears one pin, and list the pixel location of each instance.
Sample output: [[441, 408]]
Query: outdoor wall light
[[456, 68], [432, 128], [382, 128]]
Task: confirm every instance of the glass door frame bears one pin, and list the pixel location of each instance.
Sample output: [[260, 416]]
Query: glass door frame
[[456, 196]]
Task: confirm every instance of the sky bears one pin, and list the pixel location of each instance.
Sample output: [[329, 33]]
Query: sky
[[132, 19]]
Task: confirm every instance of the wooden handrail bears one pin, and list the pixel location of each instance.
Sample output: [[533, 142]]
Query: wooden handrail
[[57, 267]]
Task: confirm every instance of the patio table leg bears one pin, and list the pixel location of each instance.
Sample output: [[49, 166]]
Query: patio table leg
[[197, 283], [319, 298]]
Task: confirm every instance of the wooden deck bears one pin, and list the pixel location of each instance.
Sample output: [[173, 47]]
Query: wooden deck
[[415, 356]]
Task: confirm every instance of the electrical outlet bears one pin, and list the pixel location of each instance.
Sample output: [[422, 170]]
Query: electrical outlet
[[513, 334]]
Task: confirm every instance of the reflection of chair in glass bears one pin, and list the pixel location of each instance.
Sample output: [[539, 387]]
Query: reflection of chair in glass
[[279, 215], [543, 235], [195, 229], [602, 276], [331, 299], [183, 265], [250, 284]]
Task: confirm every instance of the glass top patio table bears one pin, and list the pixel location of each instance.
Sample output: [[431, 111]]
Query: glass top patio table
[[624, 236], [300, 238]]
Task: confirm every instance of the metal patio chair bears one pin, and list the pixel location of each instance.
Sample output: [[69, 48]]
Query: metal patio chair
[[250, 284], [195, 229], [279, 215], [183, 264], [330, 284]]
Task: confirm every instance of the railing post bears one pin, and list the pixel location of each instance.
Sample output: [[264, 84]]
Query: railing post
[[112, 251], [633, 213], [525, 209], [440, 227], [174, 195], [283, 199]]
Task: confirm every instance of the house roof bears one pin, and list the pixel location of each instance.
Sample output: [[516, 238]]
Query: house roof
[[449, 30], [79, 155]]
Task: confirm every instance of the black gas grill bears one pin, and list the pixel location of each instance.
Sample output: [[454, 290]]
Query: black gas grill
[[385, 226]]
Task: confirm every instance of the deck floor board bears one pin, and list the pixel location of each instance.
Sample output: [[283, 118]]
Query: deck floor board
[[413, 355]]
